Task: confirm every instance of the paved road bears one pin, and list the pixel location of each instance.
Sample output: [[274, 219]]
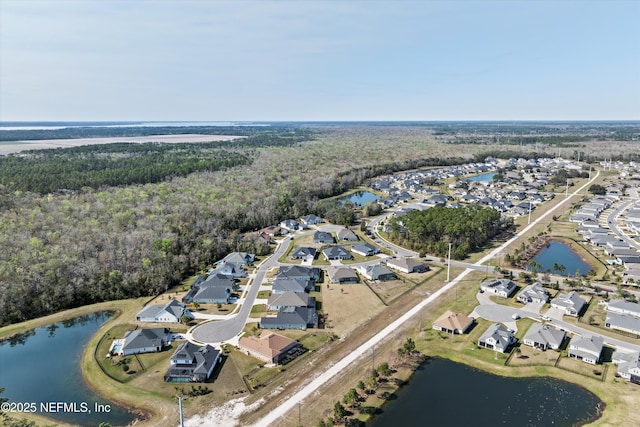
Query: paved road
[[332, 371], [612, 220]]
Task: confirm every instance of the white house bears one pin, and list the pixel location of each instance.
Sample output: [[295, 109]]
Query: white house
[[571, 303], [497, 338], [168, 313], [500, 287], [543, 337], [587, 349], [534, 293]]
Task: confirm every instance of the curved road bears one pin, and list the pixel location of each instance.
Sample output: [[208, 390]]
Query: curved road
[[613, 223]]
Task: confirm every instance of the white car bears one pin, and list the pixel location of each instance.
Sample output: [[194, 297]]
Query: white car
[[515, 316]]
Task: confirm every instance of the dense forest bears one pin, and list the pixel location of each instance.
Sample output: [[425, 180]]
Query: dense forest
[[467, 228], [62, 249]]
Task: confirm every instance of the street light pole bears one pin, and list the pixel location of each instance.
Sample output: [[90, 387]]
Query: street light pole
[[449, 264]]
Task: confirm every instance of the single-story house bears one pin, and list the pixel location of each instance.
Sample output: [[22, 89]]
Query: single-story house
[[543, 337], [241, 258], [623, 307], [333, 253], [623, 322], [281, 285], [292, 318], [571, 303], [191, 363], [269, 347], [533, 293], [407, 265], [628, 365], [290, 299], [213, 295], [376, 272], [587, 349], [500, 287], [365, 249], [497, 338], [144, 341], [232, 269], [453, 323], [347, 234], [322, 237], [307, 254], [311, 219], [299, 272], [171, 312], [290, 225], [342, 275]]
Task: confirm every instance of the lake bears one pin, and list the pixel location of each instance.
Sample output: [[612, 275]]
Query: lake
[[361, 198], [445, 393], [42, 366], [561, 254], [483, 177]]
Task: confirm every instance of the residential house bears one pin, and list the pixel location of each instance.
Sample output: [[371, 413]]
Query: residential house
[[628, 365], [347, 234], [571, 303], [304, 253], [376, 272], [365, 249], [299, 272], [171, 312], [232, 269], [270, 347], [213, 295], [311, 220], [587, 349], [214, 289], [333, 253], [543, 336], [623, 322], [278, 301], [297, 284], [291, 318], [144, 341], [191, 363], [453, 323], [290, 225], [322, 237], [534, 293], [407, 265], [500, 287], [342, 275], [240, 258], [623, 307], [497, 338]]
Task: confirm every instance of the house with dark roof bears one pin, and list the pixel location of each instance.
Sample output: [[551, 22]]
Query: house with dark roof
[[497, 338], [311, 220], [376, 272], [213, 295], [342, 275], [190, 363], [587, 349], [291, 318], [500, 287], [347, 234], [144, 341], [290, 225], [300, 285], [333, 253], [304, 253], [271, 347], [543, 336], [171, 312], [365, 249], [322, 237], [214, 289], [534, 293], [298, 272], [453, 323], [407, 265]]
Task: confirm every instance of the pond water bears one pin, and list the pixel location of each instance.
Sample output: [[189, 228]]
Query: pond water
[[559, 254], [445, 393], [483, 177], [42, 366], [361, 198]]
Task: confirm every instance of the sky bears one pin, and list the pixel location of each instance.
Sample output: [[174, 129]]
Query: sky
[[319, 60]]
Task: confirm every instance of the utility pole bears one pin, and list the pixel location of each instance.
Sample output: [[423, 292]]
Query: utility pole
[[449, 264], [529, 222], [566, 191]]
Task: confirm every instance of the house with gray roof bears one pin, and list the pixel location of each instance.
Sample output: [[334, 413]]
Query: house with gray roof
[[322, 237], [304, 253], [376, 272], [623, 307], [342, 275], [298, 272], [497, 338], [534, 293], [500, 287], [365, 249], [407, 265], [543, 336], [572, 304], [232, 269], [588, 349], [290, 225], [190, 363], [297, 284], [171, 312], [291, 318], [628, 365], [347, 234], [290, 299], [623, 322], [213, 295], [333, 253], [214, 289], [144, 341], [241, 258], [311, 219]]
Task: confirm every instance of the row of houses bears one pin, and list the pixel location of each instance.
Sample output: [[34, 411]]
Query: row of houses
[[623, 316]]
